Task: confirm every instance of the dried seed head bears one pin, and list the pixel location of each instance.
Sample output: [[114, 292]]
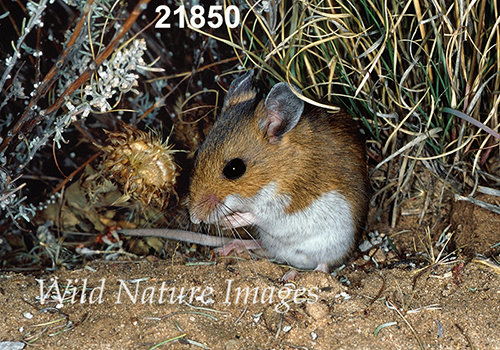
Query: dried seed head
[[141, 165]]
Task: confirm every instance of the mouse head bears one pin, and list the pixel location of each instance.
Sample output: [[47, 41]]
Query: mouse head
[[247, 149]]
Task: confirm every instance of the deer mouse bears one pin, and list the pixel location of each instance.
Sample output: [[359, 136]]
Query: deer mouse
[[296, 172]]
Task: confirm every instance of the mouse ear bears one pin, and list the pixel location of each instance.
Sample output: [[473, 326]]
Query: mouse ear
[[283, 109], [240, 90]]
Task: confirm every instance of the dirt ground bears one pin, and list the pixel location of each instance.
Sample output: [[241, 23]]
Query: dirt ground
[[240, 303]]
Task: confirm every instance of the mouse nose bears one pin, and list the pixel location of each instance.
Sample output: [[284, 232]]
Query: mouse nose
[[201, 210]]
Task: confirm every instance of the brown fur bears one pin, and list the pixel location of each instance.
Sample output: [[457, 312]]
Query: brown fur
[[324, 152]]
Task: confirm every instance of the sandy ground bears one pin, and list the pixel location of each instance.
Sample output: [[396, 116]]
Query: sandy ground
[[240, 303]]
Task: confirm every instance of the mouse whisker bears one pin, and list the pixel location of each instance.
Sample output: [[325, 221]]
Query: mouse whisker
[[236, 233]]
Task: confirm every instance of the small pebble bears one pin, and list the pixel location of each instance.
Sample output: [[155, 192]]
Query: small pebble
[[11, 345], [317, 311], [232, 344], [376, 240], [365, 245], [343, 295]]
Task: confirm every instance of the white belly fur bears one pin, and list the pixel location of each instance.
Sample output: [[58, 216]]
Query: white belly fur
[[321, 233]]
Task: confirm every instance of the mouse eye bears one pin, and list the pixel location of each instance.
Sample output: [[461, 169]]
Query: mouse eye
[[234, 169]]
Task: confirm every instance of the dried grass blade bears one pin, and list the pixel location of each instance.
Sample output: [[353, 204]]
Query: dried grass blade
[[490, 207], [417, 140], [472, 121]]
